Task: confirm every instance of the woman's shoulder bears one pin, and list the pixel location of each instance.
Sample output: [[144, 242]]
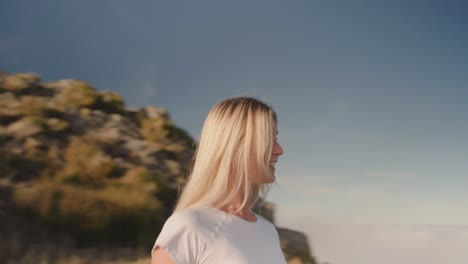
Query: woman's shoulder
[[187, 232], [262, 221], [195, 218]]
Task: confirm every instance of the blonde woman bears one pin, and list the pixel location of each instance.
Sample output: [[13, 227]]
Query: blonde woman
[[235, 160]]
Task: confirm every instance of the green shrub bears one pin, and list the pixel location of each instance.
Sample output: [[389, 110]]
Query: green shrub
[[19, 82], [179, 134], [113, 215], [155, 129], [77, 93], [57, 125], [110, 102], [18, 168], [163, 130], [36, 106], [136, 176], [87, 164], [32, 106]]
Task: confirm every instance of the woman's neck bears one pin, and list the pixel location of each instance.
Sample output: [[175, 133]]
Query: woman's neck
[[245, 212]]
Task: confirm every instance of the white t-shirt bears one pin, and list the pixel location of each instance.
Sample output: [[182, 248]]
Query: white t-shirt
[[211, 236]]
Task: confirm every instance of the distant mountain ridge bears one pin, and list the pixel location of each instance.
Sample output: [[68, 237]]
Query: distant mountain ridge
[[75, 161]]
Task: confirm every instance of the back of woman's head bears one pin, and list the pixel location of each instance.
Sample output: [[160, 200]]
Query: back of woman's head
[[233, 155]]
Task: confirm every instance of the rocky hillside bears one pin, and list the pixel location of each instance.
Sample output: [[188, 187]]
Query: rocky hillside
[[79, 170]]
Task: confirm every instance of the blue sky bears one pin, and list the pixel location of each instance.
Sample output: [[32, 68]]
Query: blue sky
[[370, 97]]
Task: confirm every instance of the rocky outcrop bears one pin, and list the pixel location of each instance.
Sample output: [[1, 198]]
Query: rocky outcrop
[[77, 166], [78, 161], [294, 244]]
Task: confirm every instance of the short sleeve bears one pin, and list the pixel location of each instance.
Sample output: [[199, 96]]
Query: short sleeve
[[180, 240]]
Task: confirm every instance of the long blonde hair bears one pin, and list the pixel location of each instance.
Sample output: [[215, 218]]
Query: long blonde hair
[[234, 149]]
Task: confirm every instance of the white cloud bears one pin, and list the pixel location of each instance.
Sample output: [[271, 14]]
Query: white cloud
[[391, 174], [145, 81], [147, 84]]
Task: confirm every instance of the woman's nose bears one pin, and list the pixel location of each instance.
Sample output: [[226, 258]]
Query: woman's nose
[[277, 150]]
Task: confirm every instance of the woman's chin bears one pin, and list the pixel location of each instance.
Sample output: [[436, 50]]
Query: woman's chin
[[273, 177]]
